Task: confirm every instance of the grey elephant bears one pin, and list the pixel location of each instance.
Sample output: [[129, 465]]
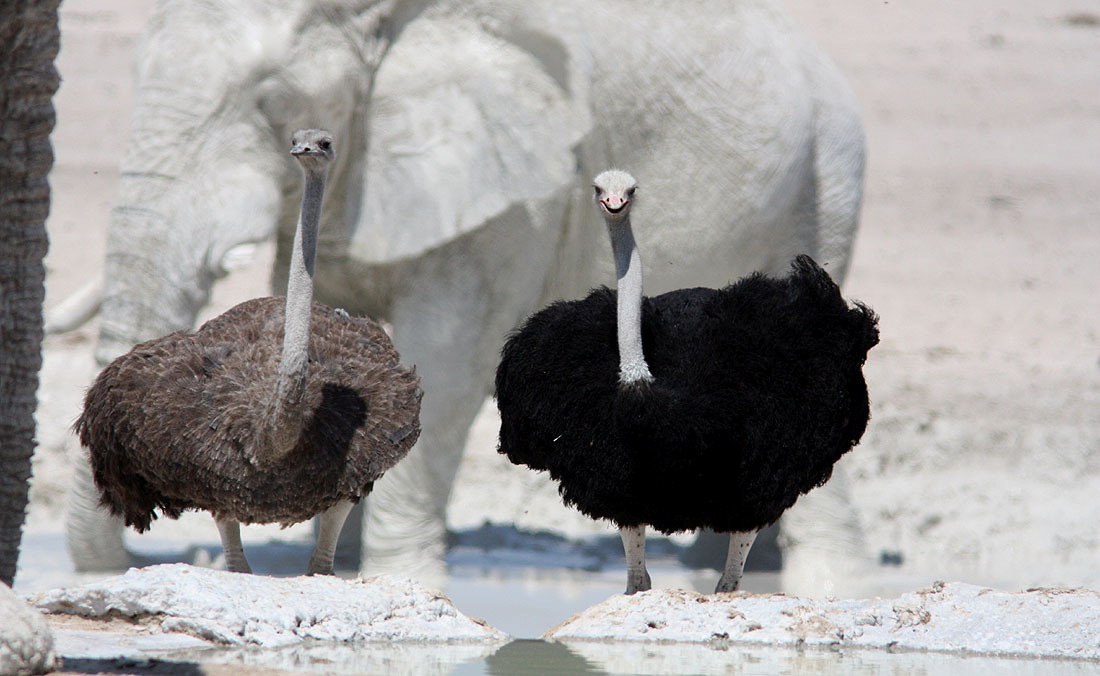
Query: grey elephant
[[28, 81], [470, 132]]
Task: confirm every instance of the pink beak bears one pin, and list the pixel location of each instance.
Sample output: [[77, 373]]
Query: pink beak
[[613, 202]]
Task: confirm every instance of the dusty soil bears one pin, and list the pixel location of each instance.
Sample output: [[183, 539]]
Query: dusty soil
[[979, 249]]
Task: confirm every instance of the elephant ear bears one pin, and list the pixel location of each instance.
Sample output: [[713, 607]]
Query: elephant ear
[[462, 126]]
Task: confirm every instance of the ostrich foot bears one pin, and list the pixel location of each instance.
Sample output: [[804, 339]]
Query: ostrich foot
[[637, 583], [726, 585]]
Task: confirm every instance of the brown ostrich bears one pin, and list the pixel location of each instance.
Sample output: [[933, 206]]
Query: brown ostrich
[[273, 412]]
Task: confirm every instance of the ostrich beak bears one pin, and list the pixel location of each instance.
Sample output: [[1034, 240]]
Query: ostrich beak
[[614, 203]]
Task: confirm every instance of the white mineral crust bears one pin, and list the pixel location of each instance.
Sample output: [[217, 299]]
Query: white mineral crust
[[953, 618], [235, 608]]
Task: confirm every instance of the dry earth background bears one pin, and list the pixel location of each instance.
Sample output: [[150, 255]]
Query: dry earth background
[[980, 249]]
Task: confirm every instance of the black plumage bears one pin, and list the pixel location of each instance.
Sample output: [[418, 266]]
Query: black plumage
[[757, 391]]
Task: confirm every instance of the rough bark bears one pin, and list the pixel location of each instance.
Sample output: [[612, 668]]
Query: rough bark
[[29, 42]]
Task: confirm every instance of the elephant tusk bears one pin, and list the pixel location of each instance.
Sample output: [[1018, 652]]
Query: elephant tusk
[[76, 310]]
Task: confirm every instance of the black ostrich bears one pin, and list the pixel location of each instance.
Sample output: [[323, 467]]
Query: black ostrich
[[696, 408], [274, 411]]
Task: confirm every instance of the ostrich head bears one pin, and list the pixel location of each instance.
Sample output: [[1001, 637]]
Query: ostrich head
[[313, 149], [614, 194]]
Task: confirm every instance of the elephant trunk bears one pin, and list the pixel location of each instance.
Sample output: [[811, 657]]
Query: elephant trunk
[[152, 286], [177, 217]]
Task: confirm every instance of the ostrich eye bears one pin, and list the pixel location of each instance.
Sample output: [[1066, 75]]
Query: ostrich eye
[[597, 189], [630, 193], [324, 143]]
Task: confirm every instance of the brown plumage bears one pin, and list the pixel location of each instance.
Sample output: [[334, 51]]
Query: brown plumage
[[275, 411], [175, 423]]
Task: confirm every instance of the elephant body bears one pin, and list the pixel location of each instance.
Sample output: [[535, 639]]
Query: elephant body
[[470, 132]]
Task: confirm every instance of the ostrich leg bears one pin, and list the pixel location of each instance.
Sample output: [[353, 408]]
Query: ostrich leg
[[332, 522], [740, 544], [230, 532], [637, 577]]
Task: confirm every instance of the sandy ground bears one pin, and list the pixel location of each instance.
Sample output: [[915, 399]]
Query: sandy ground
[[979, 249]]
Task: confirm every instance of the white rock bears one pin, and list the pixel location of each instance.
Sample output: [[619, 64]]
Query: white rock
[[235, 608], [26, 644], [952, 618]]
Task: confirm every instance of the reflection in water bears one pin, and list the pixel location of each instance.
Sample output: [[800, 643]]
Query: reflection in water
[[615, 659], [527, 602], [398, 658], [532, 657]]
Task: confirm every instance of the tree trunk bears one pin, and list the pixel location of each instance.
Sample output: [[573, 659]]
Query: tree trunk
[[29, 42]]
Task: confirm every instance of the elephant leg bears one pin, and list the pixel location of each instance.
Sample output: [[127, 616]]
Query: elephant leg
[[93, 535], [404, 524], [331, 523], [450, 315], [637, 577], [824, 553], [230, 532], [740, 544], [832, 208]]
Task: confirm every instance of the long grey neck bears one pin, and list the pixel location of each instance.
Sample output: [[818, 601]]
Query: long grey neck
[[287, 414], [628, 270]]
